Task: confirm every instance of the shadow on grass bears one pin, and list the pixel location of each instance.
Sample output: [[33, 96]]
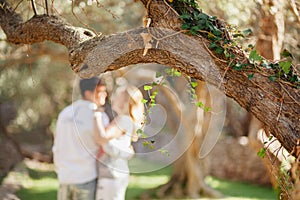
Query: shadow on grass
[[37, 195], [39, 174]]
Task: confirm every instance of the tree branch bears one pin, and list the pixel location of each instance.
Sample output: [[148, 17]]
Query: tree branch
[[40, 28], [295, 10], [163, 43]]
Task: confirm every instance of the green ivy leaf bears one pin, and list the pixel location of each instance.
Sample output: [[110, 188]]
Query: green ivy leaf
[[147, 87], [272, 78], [262, 152], [247, 32], [185, 26], [158, 75], [250, 76], [238, 66], [194, 84], [144, 101], [164, 151], [285, 53], [213, 45], [176, 73], [219, 50], [141, 133], [200, 104], [207, 109], [185, 16], [285, 66], [217, 32], [145, 143], [254, 56]]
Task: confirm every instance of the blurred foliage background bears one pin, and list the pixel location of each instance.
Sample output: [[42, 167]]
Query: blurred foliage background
[[37, 83]]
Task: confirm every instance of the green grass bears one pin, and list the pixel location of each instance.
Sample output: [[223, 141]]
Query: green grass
[[39, 185], [42, 185], [233, 190]]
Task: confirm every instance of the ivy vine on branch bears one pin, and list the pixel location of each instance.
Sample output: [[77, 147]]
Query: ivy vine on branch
[[225, 41]]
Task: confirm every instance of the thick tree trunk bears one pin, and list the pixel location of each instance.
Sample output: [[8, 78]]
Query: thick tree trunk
[[269, 45], [276, 104], [10, 154], [190, 171]]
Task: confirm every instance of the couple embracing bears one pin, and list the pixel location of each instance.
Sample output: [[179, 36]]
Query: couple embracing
[[91, 153]]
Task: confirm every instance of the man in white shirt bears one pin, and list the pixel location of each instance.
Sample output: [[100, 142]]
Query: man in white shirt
[[75, 149]]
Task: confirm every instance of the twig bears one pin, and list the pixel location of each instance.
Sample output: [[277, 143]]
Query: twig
[[167, 36], [18, 5], [46, 3], [99, 5], [224, 61], [33, 7], [170, 8], [225, 73], [147, 8], [281, 100], [277, 152], [87, 26], [290, 95], [295, 10]]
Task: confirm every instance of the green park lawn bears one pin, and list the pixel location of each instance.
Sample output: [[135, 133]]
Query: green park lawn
[[42, 184]]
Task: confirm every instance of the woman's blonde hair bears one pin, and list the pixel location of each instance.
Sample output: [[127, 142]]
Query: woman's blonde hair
[[135, 107]]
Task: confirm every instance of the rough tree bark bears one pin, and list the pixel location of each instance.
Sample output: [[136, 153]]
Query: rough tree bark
[[190, 171], [276, 104], [10, 154], [269, 45]]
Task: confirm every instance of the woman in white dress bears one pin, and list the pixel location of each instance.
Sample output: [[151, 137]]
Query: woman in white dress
[[115, 141]]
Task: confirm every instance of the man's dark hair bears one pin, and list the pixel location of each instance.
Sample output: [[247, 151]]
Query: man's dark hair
[[89, 84]]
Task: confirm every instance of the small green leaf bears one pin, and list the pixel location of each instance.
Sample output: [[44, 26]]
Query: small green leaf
[[158, 74], [185, 26], [168, 71], [177, 73], [251, 46], [250, 76], [285, 66], [262, 152], [213, 45], [185, 16], [144, 100], [271, 137], [194, 84], [217, 32], [145, 143], [272, 78], [164, 151], [238, 66], [200, 104], [254, 56], [147, 87], [154, 83], [219, 50], [238, 35], [207, 109], [247, 32], [285, 53], [139, 131]]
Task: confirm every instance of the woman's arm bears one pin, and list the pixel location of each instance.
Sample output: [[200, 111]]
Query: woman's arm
[[103, 135], [114, 151]]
